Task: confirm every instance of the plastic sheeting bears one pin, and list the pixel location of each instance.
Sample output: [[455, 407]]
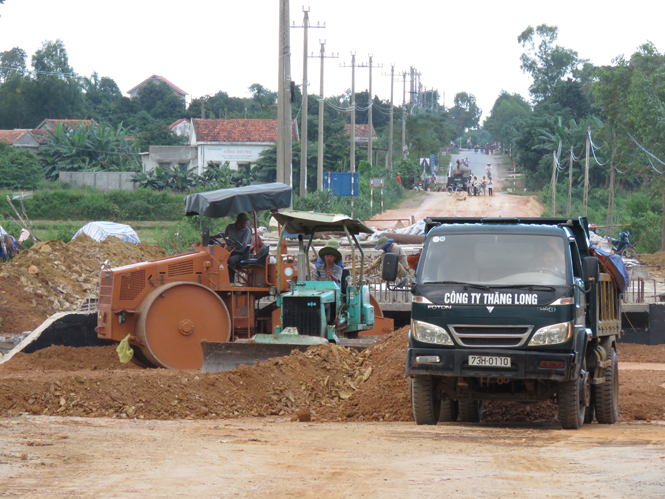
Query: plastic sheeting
[[101, 230]]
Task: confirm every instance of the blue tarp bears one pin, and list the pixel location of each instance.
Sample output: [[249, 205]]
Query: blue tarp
[[101, 230]]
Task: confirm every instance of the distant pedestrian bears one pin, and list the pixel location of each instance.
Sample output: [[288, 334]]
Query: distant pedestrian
[[398, 179], [490, 186]]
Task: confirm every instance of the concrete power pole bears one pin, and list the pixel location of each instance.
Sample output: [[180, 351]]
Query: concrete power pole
[[570, 183], [404, 115], [353, 123], [389, 160], [303, 138], [319, 171], [585, 199], [284, 133], [369, 116]]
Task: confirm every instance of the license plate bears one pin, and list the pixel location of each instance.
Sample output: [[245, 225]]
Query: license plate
[[487, 361]]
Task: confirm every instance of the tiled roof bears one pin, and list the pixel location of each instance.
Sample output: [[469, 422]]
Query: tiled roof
[[173, 125], [361, 131], [11, 136], [163, 80], [262, 131], [49, 124]]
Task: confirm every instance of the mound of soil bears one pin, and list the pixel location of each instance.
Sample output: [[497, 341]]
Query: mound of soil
[[53, 276], [325, 383]]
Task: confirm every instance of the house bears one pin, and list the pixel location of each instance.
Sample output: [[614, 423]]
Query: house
[[19, 138], [180, 128], [134, 92], [50, 125], [167, 157], [361, 133], [237, 141]]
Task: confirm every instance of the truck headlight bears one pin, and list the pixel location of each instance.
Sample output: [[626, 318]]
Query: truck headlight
[[551, 335], [429, 333]]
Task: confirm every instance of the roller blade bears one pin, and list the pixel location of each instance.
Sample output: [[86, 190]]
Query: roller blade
[[218, 356]]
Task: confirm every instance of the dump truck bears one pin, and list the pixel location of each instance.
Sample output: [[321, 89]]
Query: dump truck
[[312, 312], [513, 309], [165, 308]]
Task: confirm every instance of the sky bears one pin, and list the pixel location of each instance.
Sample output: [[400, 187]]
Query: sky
[[204, 46]]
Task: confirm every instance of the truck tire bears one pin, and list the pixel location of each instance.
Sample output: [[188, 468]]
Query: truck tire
[[426, 406], [470, 411], [571, 401], [607, 394], [449, 411]]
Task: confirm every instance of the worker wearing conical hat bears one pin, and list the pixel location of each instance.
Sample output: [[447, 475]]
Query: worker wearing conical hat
[[328, 270], [389, 246]]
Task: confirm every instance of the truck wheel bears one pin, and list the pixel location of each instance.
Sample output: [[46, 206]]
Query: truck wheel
[[607, 394], [470, 411], [426, 406], [571, 400], [449, 410]]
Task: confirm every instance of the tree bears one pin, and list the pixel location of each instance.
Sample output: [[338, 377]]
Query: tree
[[88, 148], [19, 168], [158, 100], [265, 98], [547, 63], [506, 109], [426, 134], [12, 62], [158, 133], [465, 114]]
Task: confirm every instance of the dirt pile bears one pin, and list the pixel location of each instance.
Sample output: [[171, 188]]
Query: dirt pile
[[53, 276], [324, 383], [654, 259]]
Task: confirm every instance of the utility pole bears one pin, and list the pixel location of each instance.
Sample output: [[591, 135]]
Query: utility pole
[[353, 123], [585, 199], [389, 158], [284, 133], [404, 115], [303, 138], [319, 170], [369, 116], [610, 207], [570, 183], [553, 185]]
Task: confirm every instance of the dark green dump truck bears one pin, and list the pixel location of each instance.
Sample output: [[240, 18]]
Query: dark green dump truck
[[513, 309]]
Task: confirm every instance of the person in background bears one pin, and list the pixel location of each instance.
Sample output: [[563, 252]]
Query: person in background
[[490, 186], [243, 235], [332, 243], [398, 179], [389, 246], [328, 270]]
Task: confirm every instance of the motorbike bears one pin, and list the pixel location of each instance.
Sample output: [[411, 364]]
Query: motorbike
[[622, 245]]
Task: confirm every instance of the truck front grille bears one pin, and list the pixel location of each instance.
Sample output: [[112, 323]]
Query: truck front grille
[[490, 336], [303, 313]]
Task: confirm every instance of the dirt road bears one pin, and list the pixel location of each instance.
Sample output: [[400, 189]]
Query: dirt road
[[502, 203], [271, 457]]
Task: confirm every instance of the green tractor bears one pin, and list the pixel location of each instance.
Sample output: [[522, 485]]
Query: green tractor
[[312, 312]]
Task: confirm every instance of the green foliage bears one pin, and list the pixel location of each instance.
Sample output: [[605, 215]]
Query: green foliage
[[465, 114], [88, 148], [88, 204], [409, 170], [19, 168], [547, 63], [158, 133], [426, 134]]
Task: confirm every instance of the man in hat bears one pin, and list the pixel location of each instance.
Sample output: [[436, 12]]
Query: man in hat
[[328, 271], [243, 234], [389, 246]]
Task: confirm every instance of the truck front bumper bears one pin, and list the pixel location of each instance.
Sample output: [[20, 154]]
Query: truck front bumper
[[523, 364]]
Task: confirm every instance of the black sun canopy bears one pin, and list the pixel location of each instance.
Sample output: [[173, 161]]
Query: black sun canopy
[[226, 202]]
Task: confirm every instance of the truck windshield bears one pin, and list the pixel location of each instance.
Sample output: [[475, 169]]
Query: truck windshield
[[495, 260]]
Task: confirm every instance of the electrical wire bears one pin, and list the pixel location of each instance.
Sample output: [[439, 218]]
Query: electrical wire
[[649, 154]]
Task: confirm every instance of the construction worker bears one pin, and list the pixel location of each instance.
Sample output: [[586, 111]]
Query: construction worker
[[240, 232], [329, 270], [389, 246]]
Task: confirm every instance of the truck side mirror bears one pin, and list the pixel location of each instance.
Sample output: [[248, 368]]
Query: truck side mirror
[[205, 236], [390, 265], [590, 269]]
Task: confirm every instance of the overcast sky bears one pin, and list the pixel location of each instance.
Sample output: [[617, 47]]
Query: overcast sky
[[204, 46]]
